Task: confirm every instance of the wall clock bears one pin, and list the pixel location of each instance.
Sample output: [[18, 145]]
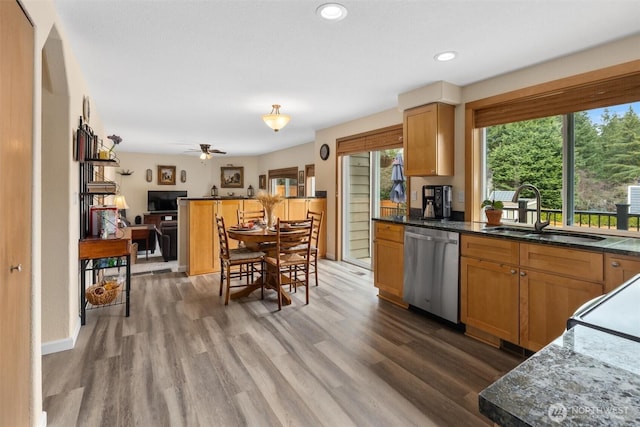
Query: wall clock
[[324, 152]]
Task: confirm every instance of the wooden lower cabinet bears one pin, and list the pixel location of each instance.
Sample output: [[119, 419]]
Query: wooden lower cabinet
[[489, 297], [388, 261], [201, 247], [618, 269], [546, 302], [525, 303]]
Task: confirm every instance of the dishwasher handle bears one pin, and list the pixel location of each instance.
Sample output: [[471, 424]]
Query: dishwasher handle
[[431, 238]]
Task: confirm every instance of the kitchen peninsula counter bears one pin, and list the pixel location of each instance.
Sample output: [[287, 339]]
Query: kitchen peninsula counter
[[584, 377]]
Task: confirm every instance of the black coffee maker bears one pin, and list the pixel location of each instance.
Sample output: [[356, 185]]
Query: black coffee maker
[[436, 201]]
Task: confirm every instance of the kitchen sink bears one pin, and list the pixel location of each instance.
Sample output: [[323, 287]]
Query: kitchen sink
[[564, 237], [549, 236], [509, 231]]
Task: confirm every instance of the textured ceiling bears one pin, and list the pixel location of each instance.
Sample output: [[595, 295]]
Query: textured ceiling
[[171, 74]]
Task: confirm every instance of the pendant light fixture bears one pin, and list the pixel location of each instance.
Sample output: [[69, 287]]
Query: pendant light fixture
[[275, 120]]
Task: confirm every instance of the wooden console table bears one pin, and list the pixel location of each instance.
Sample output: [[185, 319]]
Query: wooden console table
[[93, 249]]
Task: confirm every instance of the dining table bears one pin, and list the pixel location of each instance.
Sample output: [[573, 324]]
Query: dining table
[[259, 239]]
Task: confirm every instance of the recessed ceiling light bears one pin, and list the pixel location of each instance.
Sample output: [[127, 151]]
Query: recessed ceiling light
[[332, 11], [445, 56]]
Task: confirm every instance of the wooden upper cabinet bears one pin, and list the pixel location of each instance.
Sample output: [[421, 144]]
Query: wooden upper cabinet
[[428, 139]]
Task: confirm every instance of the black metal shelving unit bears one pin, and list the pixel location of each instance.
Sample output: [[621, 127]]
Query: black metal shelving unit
[[92, 250]]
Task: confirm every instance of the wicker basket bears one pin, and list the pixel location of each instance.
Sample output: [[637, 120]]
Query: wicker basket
[[98, 295]]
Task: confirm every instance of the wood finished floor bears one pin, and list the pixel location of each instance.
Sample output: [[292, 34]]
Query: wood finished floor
[[184, 359]]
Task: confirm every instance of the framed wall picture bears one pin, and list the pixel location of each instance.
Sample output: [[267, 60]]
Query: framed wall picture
[[300, 177], [301, 191], [262, 182], [232, 176], [166, 175]]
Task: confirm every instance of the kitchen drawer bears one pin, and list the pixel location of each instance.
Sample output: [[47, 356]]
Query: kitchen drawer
[[583, 265], [392, 232], [504, 251]]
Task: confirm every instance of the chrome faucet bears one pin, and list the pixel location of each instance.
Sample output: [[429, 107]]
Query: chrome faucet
[[539, 225]]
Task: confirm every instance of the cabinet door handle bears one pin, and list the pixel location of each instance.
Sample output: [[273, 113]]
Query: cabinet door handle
[[522, 273], [513, 271], [615, 264], [17, 268]]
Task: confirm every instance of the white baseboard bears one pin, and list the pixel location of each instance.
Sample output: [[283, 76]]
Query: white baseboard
[[63, 344], [43, 419]]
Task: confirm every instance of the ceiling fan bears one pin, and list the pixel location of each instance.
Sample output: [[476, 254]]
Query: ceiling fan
[[206, 151]]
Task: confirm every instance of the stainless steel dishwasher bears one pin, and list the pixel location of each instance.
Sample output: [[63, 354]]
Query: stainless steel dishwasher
[[431, 271]]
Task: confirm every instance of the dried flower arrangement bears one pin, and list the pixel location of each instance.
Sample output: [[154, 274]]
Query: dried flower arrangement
[[269, 201]]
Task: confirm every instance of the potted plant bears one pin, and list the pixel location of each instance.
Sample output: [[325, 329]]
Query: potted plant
[[493, 211]]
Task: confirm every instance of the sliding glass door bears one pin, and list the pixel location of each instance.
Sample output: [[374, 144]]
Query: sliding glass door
[[366, 189]]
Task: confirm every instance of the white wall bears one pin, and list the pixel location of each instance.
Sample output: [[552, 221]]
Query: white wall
[[299, 156], [201, 174]]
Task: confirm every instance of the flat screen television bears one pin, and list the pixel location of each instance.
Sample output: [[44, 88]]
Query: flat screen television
[[163, 201]]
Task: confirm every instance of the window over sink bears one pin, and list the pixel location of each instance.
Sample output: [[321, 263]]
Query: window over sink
[[579, 145], [597, 150]]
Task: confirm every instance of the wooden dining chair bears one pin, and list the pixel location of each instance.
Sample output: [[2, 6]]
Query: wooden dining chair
[[246, 260], [250, 216], [289, 263], [315, 235]]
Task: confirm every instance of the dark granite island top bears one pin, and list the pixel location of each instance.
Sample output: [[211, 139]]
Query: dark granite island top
[[584, 378]]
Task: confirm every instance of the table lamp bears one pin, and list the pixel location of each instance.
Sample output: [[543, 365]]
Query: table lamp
[[121, 204]]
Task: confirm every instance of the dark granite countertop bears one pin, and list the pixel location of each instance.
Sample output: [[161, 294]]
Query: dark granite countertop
[[611, 244], [584, 378]]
